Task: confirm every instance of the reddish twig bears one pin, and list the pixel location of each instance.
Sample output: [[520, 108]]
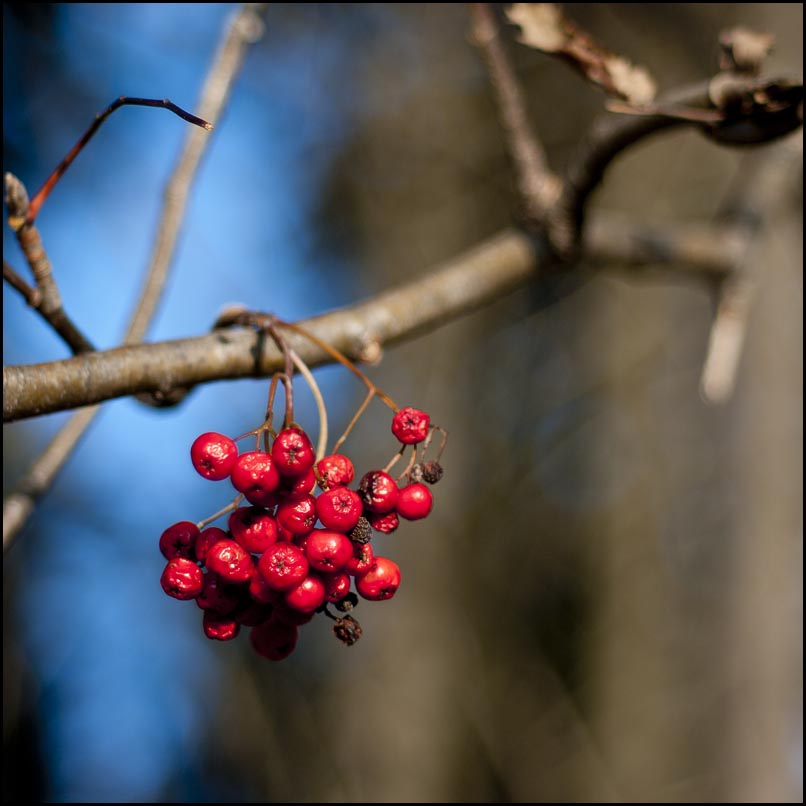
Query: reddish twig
[[42, 194]]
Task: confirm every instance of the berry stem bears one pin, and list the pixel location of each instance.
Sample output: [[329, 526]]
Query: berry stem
[[342, 359], [321, 444], [229, 508], [352, 422]]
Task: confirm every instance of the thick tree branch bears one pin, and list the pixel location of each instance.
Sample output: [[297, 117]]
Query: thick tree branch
[[476, 278]]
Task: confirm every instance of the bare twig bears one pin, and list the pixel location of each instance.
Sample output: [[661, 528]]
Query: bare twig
[[33, 296], [57, 319], [766, 185], [488, 272], [612, 135], [245, 27], [45, 298], [538, 186], [42, 194]]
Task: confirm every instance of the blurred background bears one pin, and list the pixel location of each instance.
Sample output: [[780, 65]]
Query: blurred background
[[606, 603]]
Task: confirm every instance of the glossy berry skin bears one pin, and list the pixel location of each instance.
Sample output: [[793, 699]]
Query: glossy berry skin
[[362, 560], [297, 514], [410, 425], [213, 455], [335, 470], [253, 528], [414, 502], [378, 491], [337, 586], [308, 595], [218, 596], [182, 579], [299, 485], [293, 453], [209, 537], [255, 475], [274, 639], [339, 509], [231, 562], [385, 522], [218, 627], [259, 590], [328, 551], [380, 582], [179, 540], [283, 566]]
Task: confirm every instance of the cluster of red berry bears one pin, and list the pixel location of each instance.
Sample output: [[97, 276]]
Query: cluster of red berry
[[274, 568]]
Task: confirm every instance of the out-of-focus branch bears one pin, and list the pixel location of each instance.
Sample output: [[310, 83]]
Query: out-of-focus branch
[[244, 28], [45, 298], [480, 276], [57, 318], [766, 185], [538, 186]]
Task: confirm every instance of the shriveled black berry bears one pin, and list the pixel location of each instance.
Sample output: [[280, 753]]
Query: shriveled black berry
[[347, 603], [432, 472], [361, 532], [347, 630]]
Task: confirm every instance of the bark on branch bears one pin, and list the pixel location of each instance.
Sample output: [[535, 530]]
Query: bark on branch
[[459, 286]]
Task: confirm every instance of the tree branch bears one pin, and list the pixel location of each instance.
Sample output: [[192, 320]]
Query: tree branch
[[57, 319], [464, 284], [538, 186]]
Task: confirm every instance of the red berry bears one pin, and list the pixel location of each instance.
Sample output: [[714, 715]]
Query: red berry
[[380, 582], [209, 537], [328, 551], [274, 639], [297, 514], [410, 425], [414, 502], [337, 586], [284, 534], [293, 453], [260, 591], [179, 540], [255, 475], [308, 595], [362, 560], [378, 491], [253, 528], [339, 509], [182, 578], [219, 596], [251, 614], [299, 485], [213, 455], [286, 615], [283, 566], [230, 561], [335, 470], [221, 628], [385, 522]]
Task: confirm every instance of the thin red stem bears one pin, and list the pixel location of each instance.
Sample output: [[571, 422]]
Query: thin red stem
[[41, 195]]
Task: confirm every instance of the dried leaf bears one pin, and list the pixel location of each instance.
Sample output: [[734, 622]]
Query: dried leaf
[[744, 50], [545, 27], [541, 25], [632, 83]]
